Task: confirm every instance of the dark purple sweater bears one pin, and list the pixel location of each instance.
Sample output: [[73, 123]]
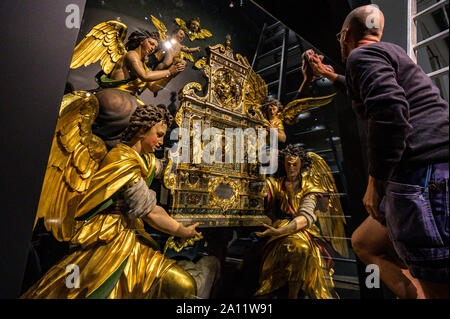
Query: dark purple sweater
[[406, 118]]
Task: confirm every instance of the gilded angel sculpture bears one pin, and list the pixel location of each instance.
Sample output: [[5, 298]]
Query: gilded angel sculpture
[[98, 201], [124, 73], [193, 29], [275, 115], [175, 49], [173, 53], [295, 247]]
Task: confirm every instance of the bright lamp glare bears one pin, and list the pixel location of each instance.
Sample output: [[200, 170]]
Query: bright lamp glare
[[167, 44]]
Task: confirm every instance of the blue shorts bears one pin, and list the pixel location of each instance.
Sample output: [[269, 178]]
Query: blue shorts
[[416, 206]]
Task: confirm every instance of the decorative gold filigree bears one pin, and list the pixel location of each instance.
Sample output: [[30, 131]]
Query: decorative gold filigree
[[190, 89], [179, 116], [170, 179], [223, 203], [226, 88], [186, 177], [179, 244], [200, 63]]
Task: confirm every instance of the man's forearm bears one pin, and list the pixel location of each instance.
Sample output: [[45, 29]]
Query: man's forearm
[[331, 76], [340, 83]]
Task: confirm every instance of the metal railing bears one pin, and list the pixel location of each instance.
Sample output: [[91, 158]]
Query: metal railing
[[413, 45]]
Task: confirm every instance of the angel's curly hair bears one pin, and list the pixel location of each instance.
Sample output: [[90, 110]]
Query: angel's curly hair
[[146, 116], [175, 31], [137, 37], [188, 24], [270, 101], [296, 151]]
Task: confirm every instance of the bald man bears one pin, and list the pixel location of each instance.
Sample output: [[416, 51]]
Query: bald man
[[408, 133]]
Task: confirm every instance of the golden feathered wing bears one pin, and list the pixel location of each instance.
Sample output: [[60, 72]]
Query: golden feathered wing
[[162, 30], [203, 34], [105, 42], [182, 25], [290, 112], [331, 221], [187, 56], [75, 156], [256, 92]]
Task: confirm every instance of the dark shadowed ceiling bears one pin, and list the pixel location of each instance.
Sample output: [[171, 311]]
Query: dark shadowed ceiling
[[317, 21]]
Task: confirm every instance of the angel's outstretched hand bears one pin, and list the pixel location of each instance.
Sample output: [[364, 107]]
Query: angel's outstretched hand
[[190, 231], [270, 231]]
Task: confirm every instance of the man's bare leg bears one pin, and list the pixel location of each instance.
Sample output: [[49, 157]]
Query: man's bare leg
[[434, 291], [416, 282], [371, 243]]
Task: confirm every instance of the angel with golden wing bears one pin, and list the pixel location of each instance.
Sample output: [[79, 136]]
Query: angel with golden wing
[[124, 73], [297, 253], [193, 29], [98, 201], [257, 102]]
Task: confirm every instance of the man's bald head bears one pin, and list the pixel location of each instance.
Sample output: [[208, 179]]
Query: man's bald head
[[364, 25], [365, 21]]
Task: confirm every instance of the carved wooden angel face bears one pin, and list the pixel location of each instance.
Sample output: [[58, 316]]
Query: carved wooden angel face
[[292, 166], [149, 46], [180, 35], [194, 26], [272, 110], [154, 137]]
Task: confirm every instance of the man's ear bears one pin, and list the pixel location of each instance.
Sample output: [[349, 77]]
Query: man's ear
[[347, 35]]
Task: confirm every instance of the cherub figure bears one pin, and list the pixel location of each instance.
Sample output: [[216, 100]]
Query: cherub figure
[[124, 73], [173, 48], [193, 29], [173, 52], [309, 75], [270, 109], [293, 252]]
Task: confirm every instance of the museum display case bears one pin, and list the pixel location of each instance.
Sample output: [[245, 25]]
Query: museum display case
[[220, 162]]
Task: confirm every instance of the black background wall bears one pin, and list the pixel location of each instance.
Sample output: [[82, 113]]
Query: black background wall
[[35, 53], [395, 15]]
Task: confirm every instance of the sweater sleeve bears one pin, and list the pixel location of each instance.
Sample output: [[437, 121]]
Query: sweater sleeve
[[340, 83], [371, 79]]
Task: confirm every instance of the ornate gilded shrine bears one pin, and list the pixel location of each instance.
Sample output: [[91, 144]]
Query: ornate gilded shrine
[[219, 194]]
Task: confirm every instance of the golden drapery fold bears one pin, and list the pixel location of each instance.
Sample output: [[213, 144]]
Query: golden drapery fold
[[277, 122], [296, 259], [114, 257]]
